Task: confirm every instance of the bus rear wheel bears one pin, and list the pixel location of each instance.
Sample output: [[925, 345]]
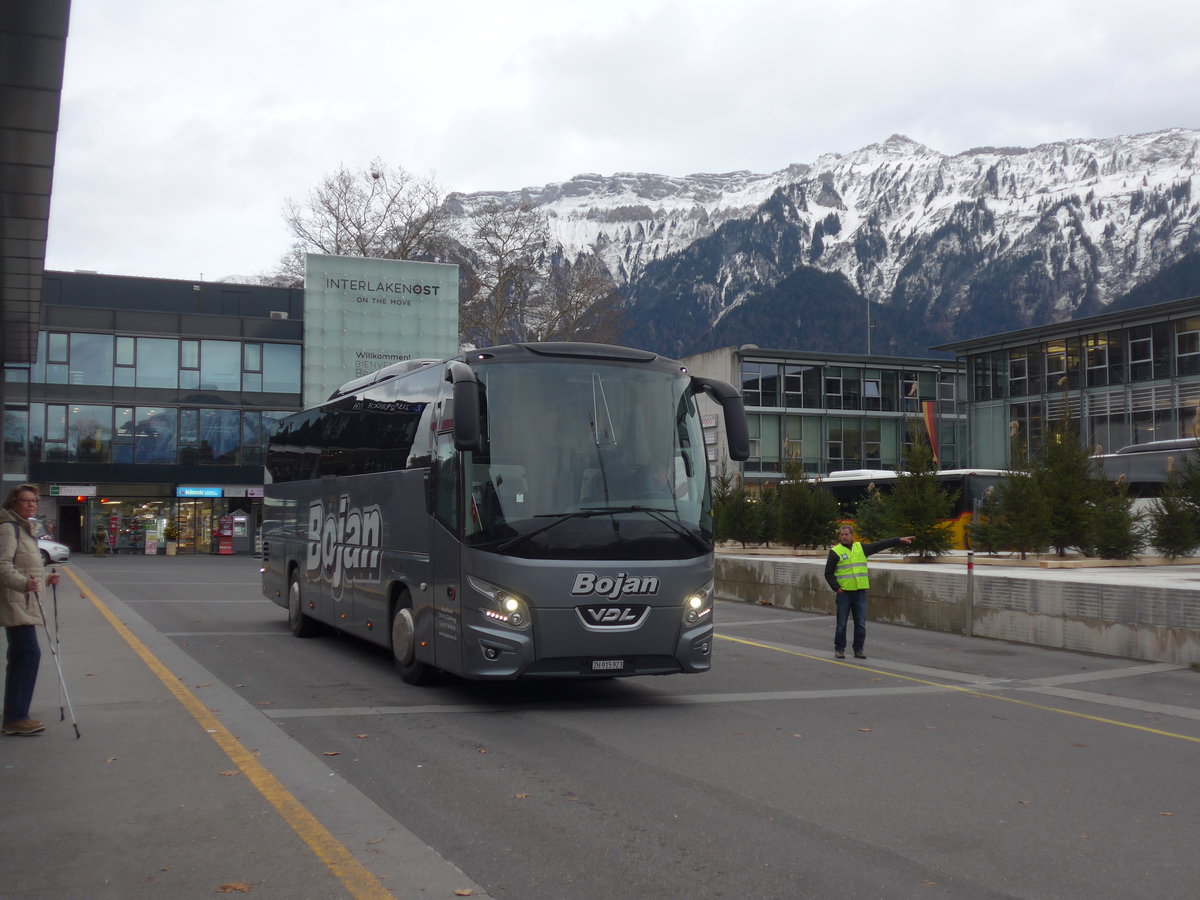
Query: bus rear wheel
[[404, 649], [302, 626]]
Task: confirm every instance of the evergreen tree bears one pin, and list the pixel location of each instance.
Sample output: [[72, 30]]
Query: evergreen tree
[[920, 506], [1116, 528], [872, 517], [768, 513], [1064, 476], [1021, 520], [1173, 526], [808, 512], [739, 518]]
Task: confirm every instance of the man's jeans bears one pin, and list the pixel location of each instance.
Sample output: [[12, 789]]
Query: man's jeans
[[851, 603], [24, 654]]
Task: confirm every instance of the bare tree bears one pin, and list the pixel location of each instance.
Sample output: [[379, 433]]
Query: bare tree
[[507, 247], [582, 304], [379, 211]]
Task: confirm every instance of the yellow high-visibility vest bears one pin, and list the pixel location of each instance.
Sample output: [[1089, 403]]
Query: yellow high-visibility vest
[[851, 571]]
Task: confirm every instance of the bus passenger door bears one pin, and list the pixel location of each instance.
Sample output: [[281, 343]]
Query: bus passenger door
[[445, 549]]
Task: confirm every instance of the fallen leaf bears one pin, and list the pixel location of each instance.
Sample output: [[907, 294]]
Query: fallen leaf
[[481, 750], [207, 684], [360, 736], [1025, 802], [332, 753], [931, 728], [238, 886], [374, 842], [266, 702], [520, 796], [797, 735], [928, 884], [112, 759], [464, 892], [1166, 814], [231, 772], [864, 729]]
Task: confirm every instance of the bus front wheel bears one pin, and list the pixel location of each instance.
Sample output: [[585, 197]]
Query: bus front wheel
[[302, 626], [404, 648]]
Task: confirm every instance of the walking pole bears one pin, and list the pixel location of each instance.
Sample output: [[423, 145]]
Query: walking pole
[[62, 716], [62, 682]]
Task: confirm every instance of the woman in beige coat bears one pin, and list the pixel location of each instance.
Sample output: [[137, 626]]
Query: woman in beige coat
[[22, 577]]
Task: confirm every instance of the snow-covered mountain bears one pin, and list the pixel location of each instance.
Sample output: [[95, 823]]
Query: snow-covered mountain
[[942, 247]]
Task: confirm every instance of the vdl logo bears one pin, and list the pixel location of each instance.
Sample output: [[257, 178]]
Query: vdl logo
[[344, 542]]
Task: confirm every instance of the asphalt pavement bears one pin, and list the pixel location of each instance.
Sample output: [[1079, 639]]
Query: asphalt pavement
[[177, 787], [163, 794]]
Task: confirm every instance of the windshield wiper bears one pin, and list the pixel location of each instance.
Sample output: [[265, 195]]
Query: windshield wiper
[[658, 513], [591, 511], [559, 518]]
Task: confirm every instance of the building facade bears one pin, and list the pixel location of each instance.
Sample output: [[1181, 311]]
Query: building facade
[[835, 412], [149, 401], [1123, 378]]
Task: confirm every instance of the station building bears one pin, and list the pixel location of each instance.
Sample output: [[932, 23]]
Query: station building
[[1124, 378], [835, 411], [150, 400]]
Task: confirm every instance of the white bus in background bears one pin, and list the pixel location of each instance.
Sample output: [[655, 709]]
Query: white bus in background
[[527, 510]]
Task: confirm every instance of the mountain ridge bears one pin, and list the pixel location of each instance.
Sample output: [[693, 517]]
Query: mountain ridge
[[943, 247]]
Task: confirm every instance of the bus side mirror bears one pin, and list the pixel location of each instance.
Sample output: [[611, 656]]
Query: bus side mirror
[[736, 429], [466, 408]]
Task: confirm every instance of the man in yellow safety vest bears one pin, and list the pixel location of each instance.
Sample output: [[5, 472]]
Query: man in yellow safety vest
[[846, 573]]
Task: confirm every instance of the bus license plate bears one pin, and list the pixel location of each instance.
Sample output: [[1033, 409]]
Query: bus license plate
[[605, 665]]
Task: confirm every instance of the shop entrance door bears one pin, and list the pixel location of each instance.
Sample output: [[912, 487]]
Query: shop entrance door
[[195, 526]]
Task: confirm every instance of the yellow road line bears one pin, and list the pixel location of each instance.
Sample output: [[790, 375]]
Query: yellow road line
[[356, 878], [964, 690]]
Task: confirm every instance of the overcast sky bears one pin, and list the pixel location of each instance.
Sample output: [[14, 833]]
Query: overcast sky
[[186, 125]]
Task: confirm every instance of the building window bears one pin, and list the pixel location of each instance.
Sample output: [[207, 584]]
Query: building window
[[16, 437], [220, 366], [281, 368], [1149, 352], [89, 434], [802, 387], [1187, 346], [157, 362], [833, 388], [1018, 372], [251, 367]]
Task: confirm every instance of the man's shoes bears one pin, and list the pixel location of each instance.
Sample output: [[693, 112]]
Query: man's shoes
[[24, 727], [858, 654], [838, 654]]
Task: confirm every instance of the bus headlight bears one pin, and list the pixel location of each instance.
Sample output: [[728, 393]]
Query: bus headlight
[[506, 607], [697, 607]]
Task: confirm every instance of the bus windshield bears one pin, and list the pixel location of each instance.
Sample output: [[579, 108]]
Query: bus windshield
[[581, 458]]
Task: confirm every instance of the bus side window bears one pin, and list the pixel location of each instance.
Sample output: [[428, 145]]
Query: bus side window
[[444, 477]]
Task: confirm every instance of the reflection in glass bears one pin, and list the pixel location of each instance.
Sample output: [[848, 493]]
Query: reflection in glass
[[220, 366], [157, 362], [92, 359], [281, 368], [154, 437], [219, 437], [89, 433]]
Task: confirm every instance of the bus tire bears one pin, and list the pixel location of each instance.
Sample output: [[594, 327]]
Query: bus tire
[[302, 625], [404, 648]]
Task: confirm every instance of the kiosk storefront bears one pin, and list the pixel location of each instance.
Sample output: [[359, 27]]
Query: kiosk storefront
[[122, 519]]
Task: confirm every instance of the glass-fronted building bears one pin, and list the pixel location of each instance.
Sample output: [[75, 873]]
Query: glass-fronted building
[[835, 412], [150, 400], [1124, 378]]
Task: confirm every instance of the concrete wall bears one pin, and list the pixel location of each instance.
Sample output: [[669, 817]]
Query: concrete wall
[[1129, 620]]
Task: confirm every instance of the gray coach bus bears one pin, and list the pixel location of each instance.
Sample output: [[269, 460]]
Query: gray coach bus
[[527, 510]]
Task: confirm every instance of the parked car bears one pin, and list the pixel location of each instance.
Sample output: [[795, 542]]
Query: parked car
[[53, 551]]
